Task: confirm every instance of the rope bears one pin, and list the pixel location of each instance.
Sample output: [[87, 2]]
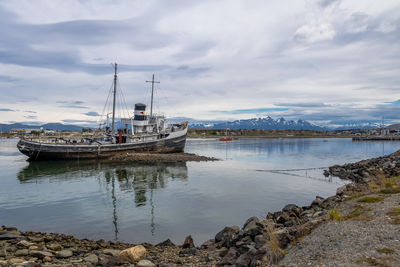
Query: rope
[[288, 170]]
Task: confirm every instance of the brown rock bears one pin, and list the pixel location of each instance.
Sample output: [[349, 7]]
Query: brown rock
[[188, 243], [54, 246], [92, 258], [133, 254], [47, 259], [16, 261], [21, 252], [24, 243], [3, 252]]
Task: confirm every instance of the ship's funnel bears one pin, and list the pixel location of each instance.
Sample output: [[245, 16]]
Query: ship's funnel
[[140, 112]]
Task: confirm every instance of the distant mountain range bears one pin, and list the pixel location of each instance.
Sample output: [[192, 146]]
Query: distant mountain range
[[264, 123], [47, 126]]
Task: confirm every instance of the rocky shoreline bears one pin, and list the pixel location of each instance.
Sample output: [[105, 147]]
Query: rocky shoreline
[[260, 242]]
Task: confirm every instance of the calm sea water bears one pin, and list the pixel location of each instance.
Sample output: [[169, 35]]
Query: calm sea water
[[153, 202]]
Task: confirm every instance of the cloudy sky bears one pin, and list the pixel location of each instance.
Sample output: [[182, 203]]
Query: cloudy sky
[[326, 61]]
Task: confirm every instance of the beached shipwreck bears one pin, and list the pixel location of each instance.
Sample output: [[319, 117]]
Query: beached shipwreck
[[141, 133]]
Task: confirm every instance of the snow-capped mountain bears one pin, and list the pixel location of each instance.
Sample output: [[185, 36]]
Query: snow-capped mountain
[[268, 123], [351, 125], [265, 123]]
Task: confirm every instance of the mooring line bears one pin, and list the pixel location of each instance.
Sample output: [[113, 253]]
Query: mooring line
[[288, 170]]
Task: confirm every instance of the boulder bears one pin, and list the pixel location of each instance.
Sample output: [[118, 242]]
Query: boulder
[[292, 208], [227, 236], [283, 237], [318, 200], [253, 219], [244, 259], [188, 243], [260, 240], [282, 218], [341, 190], [145, 263], [229, 258], [252, 227], [133, 254]]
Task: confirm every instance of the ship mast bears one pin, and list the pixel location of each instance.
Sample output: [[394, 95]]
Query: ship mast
[[115, 93], [152, 91]]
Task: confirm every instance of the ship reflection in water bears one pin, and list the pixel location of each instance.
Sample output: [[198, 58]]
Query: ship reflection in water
[[139, 180]]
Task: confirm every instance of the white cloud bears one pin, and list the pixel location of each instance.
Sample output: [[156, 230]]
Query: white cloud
[[209, 55]]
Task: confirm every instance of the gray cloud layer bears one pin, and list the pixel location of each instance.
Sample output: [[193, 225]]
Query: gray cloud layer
[[322, 60]]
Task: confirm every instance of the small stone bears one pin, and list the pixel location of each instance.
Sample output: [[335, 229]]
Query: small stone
[[341, 190], [32, 264], [3, 263], [14, 232], [36, 239], [110, 261], [40, 254], [317, 201], [47, 259], [166, 243], [133, 254], [190, 251], [9, 236], [54, 246], [145, 263], [188, 243], [24, 243], [16, 260], [3, 252], [21, 252], [221, 252], [65, 253], [92, 258], [111, 252], [208, 243], [33, 247]]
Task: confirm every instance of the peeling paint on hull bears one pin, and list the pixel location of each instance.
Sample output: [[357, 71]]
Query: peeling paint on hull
[[41, 151]]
